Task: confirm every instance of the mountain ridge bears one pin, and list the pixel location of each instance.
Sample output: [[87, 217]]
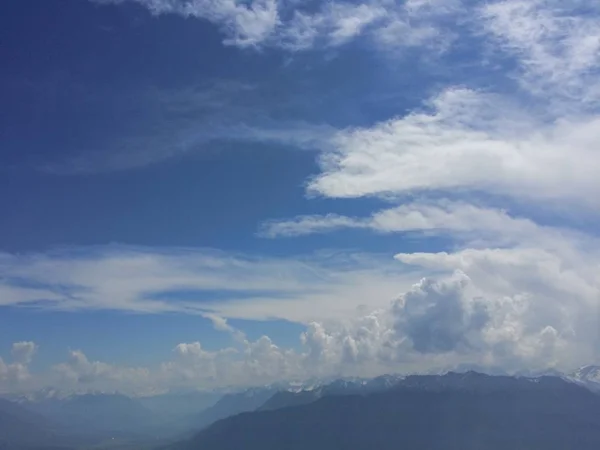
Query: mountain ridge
[[452, 411]]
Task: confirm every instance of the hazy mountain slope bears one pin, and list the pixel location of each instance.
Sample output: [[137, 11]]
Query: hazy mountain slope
[[469, 411], [235, 403], [588, 376], [21, 428], [180, 404], [100, 414], [283, 399]]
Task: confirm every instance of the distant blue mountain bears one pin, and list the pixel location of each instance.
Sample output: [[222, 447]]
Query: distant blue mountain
[[22, 428], [234, 403], [286, 398], [455, 411]]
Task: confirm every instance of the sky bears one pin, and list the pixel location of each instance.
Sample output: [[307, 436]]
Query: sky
[[207, 194]]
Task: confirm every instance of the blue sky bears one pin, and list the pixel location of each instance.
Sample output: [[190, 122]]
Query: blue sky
[[278, 189]]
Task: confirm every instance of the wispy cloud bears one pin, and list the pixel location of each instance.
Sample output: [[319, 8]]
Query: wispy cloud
[[180, 137], [512, 291], [530, 302], [335, 24], [170, 123], [144, 280], [470, 141], [296, 26], [244, 23], [471, 224], [518, 308], [557, 44]]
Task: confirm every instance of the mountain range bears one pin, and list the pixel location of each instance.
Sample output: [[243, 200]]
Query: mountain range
[[447, 412], [53, 419], [22, 428]]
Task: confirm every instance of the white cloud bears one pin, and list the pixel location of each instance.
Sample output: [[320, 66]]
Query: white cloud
[[303, 225], [335, 24], [244, 23], [439, 317], [467, 222], [150, 281], [530, 295], [470, 142], [78, 373], [531, 305], [513, 295], [510, 293], [557, 44], [23, 352], [294, 26], [518, 307], [15, 375]]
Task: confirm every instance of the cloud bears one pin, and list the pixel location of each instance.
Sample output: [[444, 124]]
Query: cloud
[[530, 296], [556, 43], [438, 317], [530, 305], [173, 122], [334, 24], [513, 294], [513, 289], [296, 26], [510, 308], [244, 24], [15, 375], [220, 324], [78, 374], [190, 366], [463, 221], [176, 137], [205, 282], [509, 291], [23, 352], [303, 225], [469, 142], [499, 307]]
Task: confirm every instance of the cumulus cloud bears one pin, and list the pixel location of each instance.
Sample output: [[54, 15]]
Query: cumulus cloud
[[23, 352], [531, 303], [438, 317], [189, 366], [513, 290], [509, 291], [517, 307], [78, 373], [540, 308], [15, 375]]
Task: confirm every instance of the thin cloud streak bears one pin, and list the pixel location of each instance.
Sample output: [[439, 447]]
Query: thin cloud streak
[[145, 280], [287, 25]]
